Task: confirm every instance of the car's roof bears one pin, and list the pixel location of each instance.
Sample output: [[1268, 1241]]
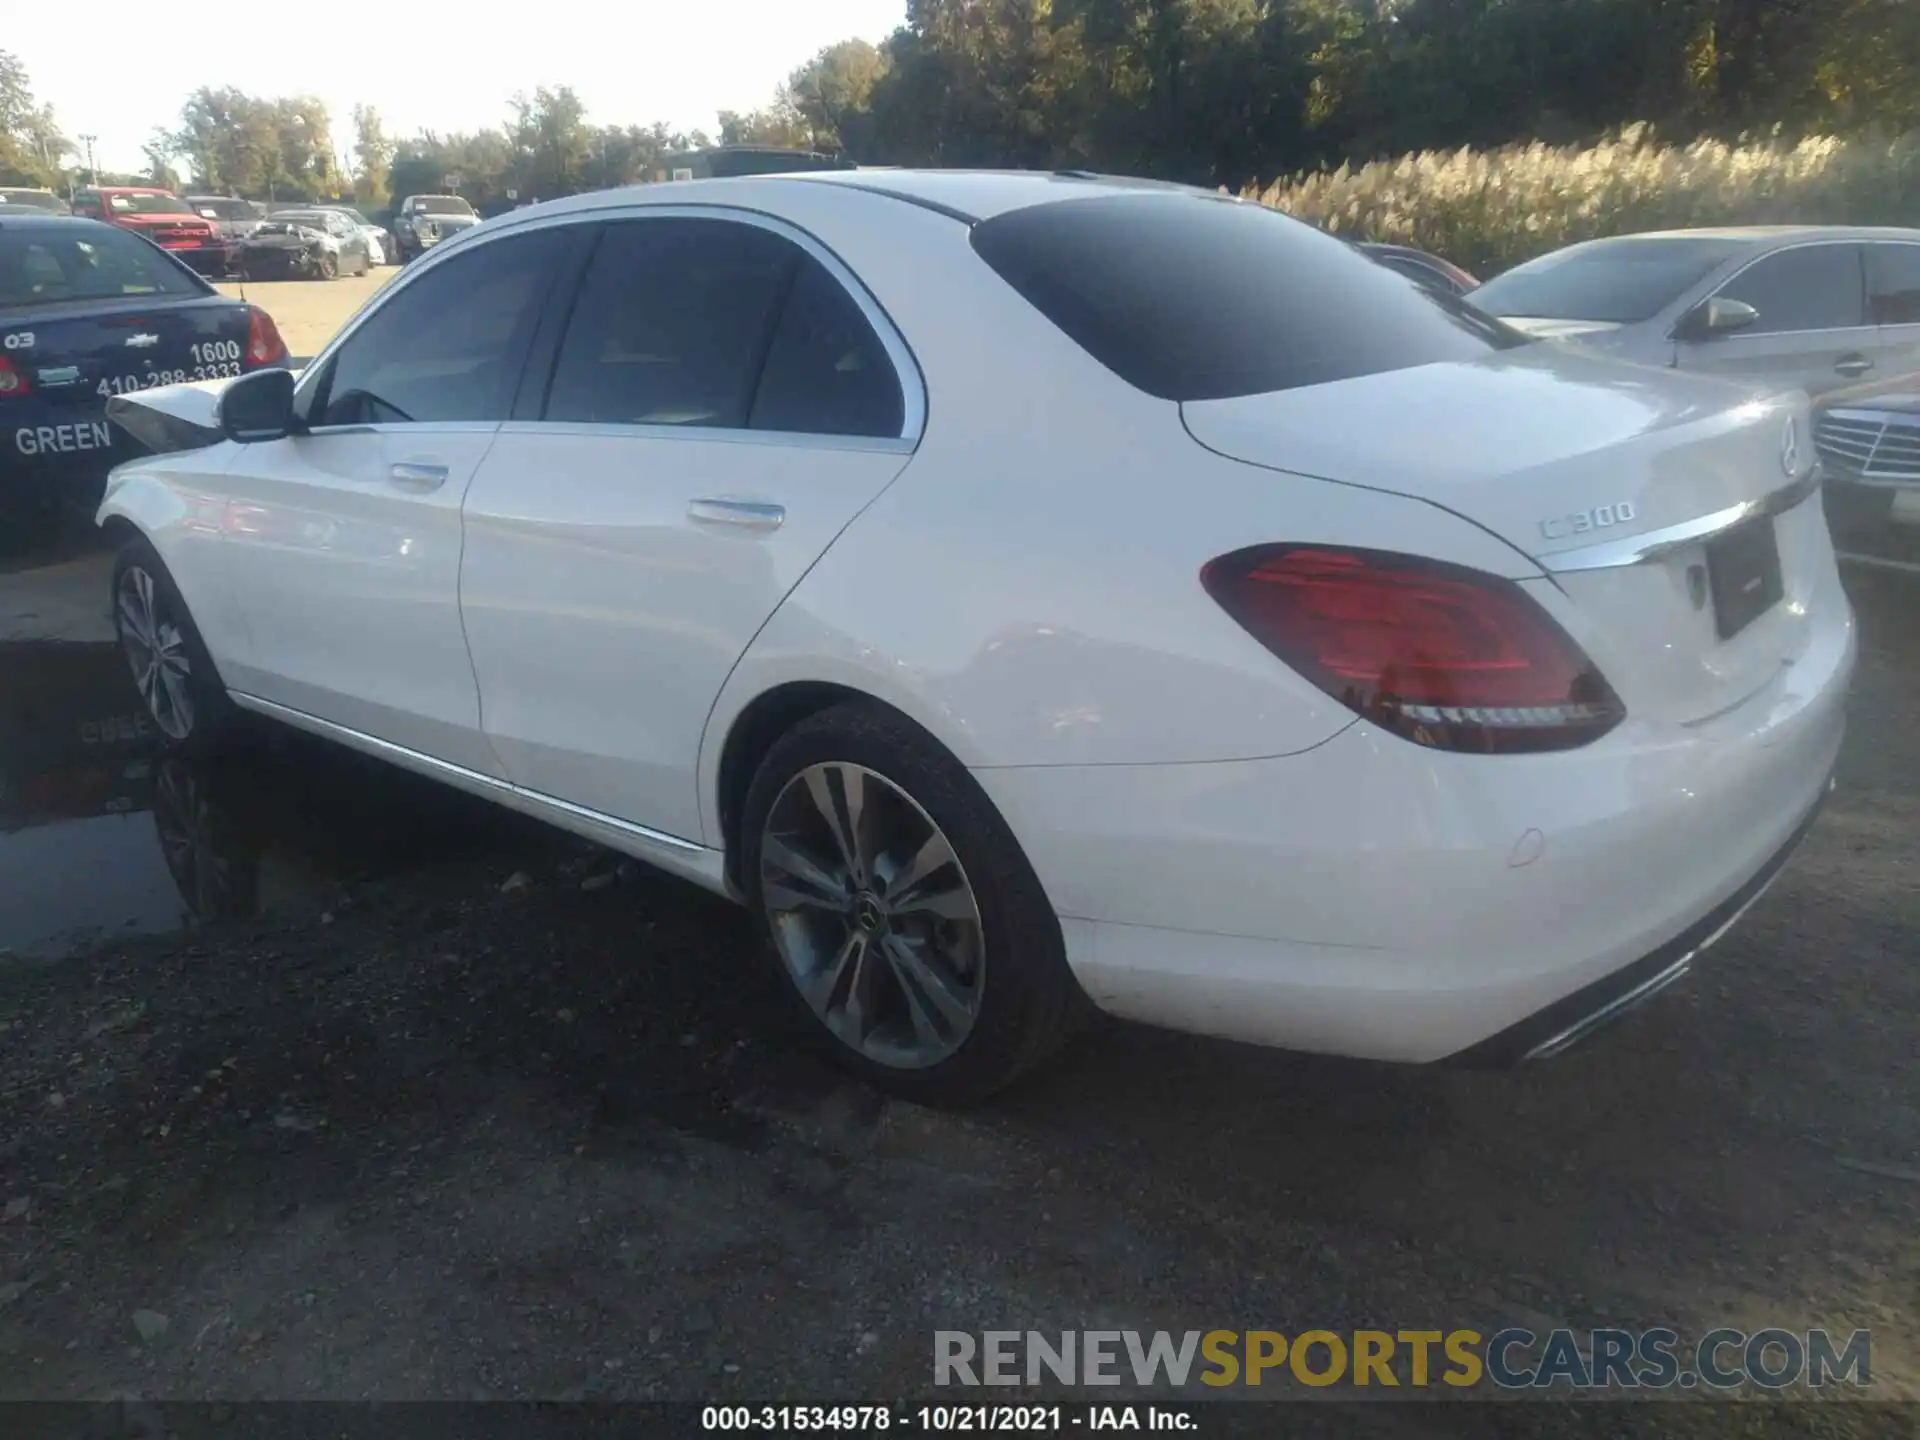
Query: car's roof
[[1772, 234], [28, 218], [967, 195]]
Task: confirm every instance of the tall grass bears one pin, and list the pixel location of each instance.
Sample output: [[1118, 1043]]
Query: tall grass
[[1488, 209]]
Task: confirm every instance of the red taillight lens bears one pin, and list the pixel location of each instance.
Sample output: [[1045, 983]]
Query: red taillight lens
[[1436, 653], [264, 345], [12, 381]]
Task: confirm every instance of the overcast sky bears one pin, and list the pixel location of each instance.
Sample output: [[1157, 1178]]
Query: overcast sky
[[117, 68]]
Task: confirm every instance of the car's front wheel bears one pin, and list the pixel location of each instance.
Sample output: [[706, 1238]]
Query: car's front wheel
[[903, 918], [171, 668]]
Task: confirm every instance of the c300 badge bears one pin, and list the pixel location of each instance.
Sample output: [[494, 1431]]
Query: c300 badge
[[1582, 521]]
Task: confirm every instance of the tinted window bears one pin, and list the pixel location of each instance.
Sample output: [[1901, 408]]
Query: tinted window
[[1812, 287], [671, 324], [1895, 273], [448, 346], [826, 372], [45, 267], [1614, 281], [1191, 298], [441, 205], [1419, 273], [149, 205]]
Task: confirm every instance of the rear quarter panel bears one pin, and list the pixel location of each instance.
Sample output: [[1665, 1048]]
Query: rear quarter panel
[[1029, 589]]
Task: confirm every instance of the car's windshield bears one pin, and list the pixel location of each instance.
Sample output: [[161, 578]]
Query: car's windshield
[[148, 205], [1195, 298], [442, 205], [221, 208], [306, 219], [88, 262], [1614, 281]]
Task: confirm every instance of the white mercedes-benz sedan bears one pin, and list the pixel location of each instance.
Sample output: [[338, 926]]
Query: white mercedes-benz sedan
[[1031, 593]]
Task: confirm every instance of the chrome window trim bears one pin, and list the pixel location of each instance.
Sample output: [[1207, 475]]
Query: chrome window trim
[[714, 434], [906, 369], [1653, 545]]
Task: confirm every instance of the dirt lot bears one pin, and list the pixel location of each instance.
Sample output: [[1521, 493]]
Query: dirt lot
[[309, 311], [429, 1103]]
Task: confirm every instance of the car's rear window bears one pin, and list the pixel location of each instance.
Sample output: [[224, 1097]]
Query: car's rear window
[[90, 262], [1189, 297], [442, 205]]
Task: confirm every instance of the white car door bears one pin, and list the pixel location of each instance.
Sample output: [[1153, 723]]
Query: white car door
[[343, 543], [720, 406], [1812, 331]]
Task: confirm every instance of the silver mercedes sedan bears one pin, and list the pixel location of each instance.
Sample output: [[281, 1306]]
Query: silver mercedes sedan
[[1815, 306]]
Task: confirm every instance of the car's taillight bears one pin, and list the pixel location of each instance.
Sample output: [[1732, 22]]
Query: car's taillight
[[264, 345], [12, 382], [1439, 654]]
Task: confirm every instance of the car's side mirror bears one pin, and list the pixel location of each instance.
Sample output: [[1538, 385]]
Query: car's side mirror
[[258, 407], [1715, 316]]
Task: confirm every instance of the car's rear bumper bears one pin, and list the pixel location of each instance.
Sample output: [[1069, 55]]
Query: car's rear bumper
[[1370, 897]]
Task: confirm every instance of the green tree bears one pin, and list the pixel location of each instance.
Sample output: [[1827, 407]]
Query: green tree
[[32, 149], [372, 158]]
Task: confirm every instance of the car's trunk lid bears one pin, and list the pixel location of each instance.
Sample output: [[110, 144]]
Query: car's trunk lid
[[1558, 453], [85, 352]]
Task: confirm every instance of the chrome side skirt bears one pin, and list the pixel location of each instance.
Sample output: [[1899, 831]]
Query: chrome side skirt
[[690, 861]]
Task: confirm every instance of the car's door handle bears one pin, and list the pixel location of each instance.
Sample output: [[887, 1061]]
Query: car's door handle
[[741, 514], [410, 476], [1853, 365]]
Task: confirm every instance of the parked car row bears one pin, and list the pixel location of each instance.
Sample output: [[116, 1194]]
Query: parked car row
[[219, 235]]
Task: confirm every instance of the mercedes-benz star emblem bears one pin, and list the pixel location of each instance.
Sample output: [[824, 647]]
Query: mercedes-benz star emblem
[[1790, 449]]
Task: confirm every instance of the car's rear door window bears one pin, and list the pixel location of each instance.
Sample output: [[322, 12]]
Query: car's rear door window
[[1808, 287], [826, 372], [1893, 284], [1192, 297], [448, 346], [672, 324]]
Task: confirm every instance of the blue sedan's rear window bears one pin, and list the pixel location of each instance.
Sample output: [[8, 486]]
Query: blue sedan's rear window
[[1192, 297], [87, 262]]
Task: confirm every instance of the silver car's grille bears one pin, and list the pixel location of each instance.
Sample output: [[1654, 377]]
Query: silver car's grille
[[1870, 444]]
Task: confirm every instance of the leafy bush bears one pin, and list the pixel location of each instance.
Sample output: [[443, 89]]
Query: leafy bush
[[1488, 209]]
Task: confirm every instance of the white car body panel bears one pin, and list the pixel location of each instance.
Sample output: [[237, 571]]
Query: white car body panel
[[1229, 849], [603, 614], [323, 527]]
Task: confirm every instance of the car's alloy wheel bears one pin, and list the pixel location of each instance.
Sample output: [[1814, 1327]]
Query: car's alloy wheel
[[155, 643], [873, 915], [905, 927]]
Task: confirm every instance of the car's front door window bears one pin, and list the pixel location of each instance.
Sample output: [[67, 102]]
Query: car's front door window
[[447, 347], [1810, 287]]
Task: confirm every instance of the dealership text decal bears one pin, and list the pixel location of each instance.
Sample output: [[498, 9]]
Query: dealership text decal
[[1510, 1359]]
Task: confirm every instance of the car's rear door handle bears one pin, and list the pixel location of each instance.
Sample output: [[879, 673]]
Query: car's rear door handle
[[1853, 365], [741, 514], [411, 476]]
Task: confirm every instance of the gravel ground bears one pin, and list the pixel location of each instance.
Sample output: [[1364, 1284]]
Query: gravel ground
[[307, 312], [462, 1109]]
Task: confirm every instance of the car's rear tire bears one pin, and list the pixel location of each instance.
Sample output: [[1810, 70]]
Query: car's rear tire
[[903, 920], [178, 685]]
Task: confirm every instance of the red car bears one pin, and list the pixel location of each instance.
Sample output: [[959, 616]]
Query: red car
[[163, 217]]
